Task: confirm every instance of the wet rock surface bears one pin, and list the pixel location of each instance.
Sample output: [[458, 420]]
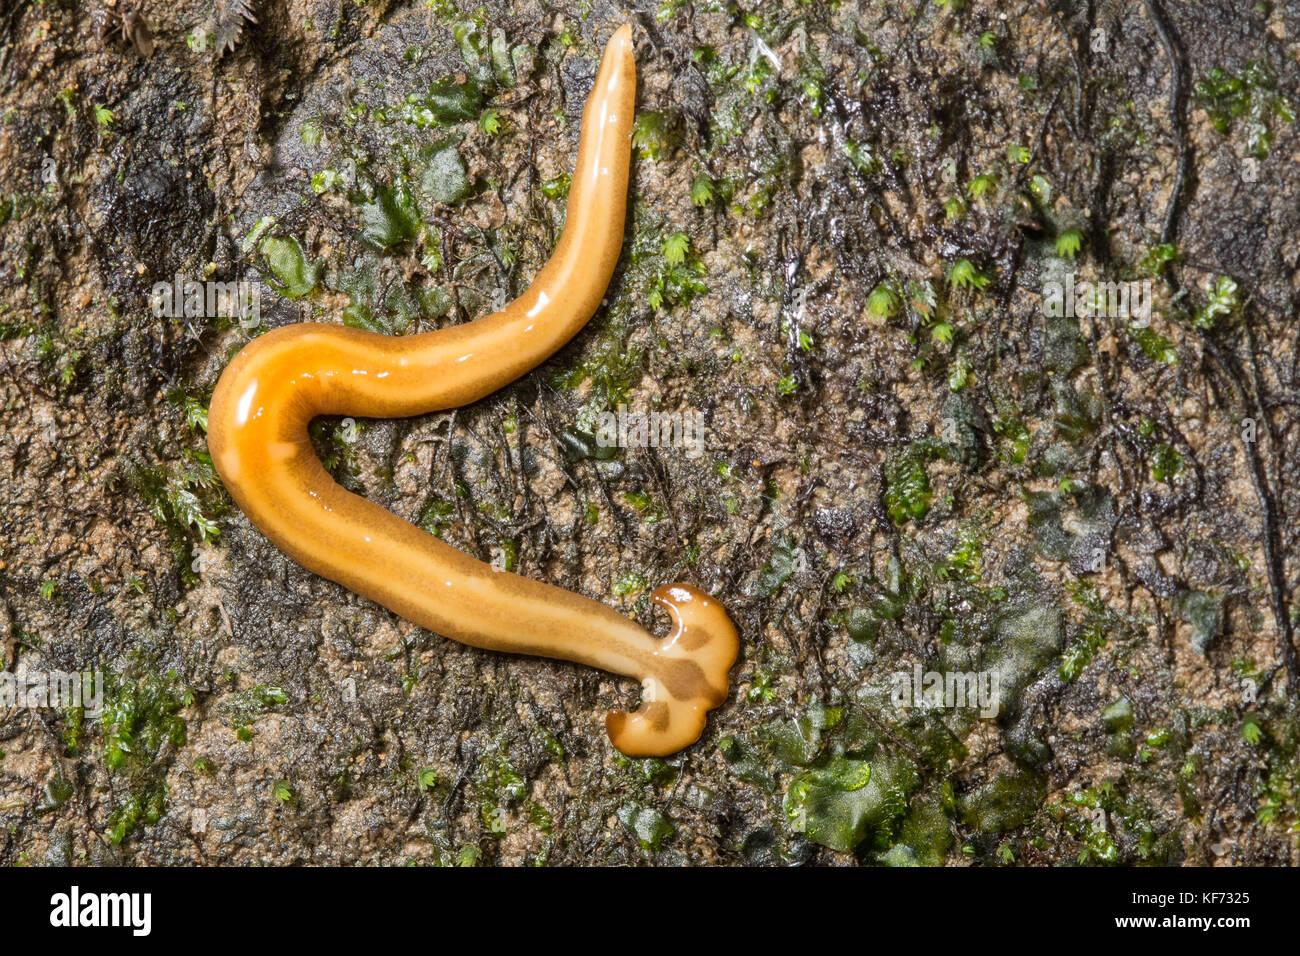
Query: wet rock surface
[[851, 231]]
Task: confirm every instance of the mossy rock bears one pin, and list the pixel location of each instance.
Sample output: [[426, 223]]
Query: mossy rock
[[1009, 801]]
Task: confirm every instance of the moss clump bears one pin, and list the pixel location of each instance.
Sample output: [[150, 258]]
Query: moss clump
[[1154, 346], [1248, 95], [381, 302], [907, 487], [436, 515], [657, 134], [245, 706], [498, 787], [454, 99], [1090, 635], [786, 559], [924, 836], [1008, 801], [1117, 717], [390, 217], [650, 827], [138, 720], [183, 500], [443, 178], [293, 274], [1028, 636], [842, 802], [1166, 463]]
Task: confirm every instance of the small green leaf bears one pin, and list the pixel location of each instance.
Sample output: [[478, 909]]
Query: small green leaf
[[1069, 243], [391, 218], [294, 276], [676, 247]]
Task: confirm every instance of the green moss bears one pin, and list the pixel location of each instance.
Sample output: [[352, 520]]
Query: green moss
[[883, 302], [451, 100], [786, 560], [1247, 97], [183, 499], [1220, 304], [434, 302], [1157, 258], [1017, 437], [390, 218], [539, 816], [703, 191], [1090, 635], [196, 414], [436, 515], [246, 706], [1068, 243], [442, 178], [497, 786], [760, 688], [963, 275], [983, 185], [1154, 346], [924, 836], [964, 559], [379, 302], [1166, 463], [1279, 785], [1007, 802], [74, 726], [611, 369], [657, 134], [650, 827], [844, 801], [630, 583], [139, 718], [907, 487], [293, 275], [676, 281], [1113, 828], [145, 806], [557, 187], [58, 790], [1117, 717]]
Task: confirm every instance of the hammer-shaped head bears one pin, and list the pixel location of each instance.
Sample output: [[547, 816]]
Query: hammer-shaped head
[[687, 677]]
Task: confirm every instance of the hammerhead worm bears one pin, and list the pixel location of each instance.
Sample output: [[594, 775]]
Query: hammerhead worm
[[270, 392]]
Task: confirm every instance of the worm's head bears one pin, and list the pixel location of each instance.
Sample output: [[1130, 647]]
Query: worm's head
[[687, 677]]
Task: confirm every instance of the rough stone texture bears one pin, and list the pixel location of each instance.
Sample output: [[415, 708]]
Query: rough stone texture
[[947, 478]]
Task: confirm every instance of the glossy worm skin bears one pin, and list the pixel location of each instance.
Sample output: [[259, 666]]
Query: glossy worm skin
[[270, 392]]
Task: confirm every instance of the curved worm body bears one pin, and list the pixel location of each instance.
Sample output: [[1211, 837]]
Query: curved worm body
[[270, 392]]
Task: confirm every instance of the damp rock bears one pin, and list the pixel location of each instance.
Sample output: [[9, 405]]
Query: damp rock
[[1203, 612]]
